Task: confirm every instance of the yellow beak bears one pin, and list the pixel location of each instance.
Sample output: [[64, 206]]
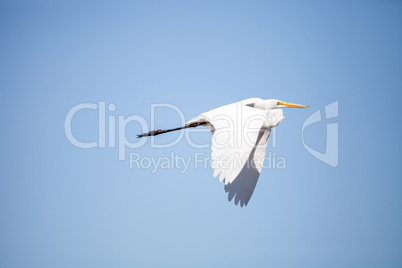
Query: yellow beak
[[292, 105]]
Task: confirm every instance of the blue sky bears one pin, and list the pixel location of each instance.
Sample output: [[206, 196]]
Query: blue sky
[[62, 206]]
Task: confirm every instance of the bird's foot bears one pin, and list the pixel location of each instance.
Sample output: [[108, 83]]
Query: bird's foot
[[151, 133]]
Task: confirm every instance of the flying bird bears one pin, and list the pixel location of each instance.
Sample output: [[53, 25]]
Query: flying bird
[[240, 133]]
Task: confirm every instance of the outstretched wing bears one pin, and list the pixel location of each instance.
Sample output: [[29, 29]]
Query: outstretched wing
[[244, 184], [236, 129]]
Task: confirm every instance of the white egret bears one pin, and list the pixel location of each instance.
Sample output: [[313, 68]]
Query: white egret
[[240, 136]]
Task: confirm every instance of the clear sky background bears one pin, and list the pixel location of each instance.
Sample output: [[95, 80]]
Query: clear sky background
[[62, 206]]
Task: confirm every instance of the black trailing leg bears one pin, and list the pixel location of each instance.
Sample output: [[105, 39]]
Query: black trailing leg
[[159, 131]]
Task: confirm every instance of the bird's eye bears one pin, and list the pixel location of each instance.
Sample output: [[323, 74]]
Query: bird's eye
[[279, 103]]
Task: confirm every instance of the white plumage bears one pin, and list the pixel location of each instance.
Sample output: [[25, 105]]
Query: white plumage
[[240, 135]]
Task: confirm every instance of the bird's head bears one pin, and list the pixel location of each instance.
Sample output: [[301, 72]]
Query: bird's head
[[274, 104], [274, 114]]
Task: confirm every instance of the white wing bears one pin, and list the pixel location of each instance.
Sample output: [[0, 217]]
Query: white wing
[[244, 184], [238, 135]]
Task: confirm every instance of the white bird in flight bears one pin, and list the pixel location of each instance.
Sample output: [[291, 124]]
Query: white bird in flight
[[240, 135]]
